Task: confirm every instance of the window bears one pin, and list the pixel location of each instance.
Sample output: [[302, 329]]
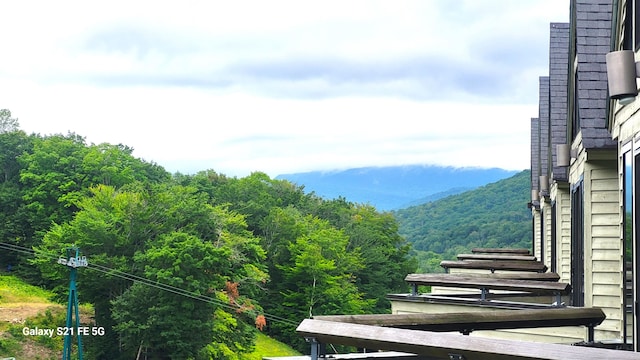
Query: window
[[627, 26], [636, 29], [634, 273], [577, 244], [627, 190], [542, 245]]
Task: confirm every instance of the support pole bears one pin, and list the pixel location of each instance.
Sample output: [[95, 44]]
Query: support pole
[[483, 294], [318, 349], [73, 261]]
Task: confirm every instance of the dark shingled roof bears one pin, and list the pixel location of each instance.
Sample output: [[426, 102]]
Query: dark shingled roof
[[558, 70], [535, 157], [592, 39], [543, 120]]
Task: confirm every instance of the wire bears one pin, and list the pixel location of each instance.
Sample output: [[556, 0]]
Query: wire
[[178, 291], [16, 249], [156, 284], [28, 251]]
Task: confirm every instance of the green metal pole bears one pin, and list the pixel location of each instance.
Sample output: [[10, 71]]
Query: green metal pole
[[72, 307]]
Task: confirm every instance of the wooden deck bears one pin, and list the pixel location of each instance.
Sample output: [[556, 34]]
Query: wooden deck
[[497, 257], [535, 276], [501, 251], [466, 322], [487, 284], [493, 265], [479, 282], [445, 346]]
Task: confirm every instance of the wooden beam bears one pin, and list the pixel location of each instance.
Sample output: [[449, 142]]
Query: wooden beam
[[534, 276], [497, 257], [446, 346], [477, 282], [467, 322], [495, 265], [501, 251]]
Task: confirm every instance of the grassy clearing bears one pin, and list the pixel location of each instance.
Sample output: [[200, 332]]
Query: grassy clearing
[[22, 305], [31, 305], [266, 346], [14, 290]]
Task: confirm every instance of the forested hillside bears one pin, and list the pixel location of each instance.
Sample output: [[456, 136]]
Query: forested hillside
[[495, 215], [215, 259]]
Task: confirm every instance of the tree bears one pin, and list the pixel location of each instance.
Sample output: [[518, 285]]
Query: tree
[[255, 196], [53, 179], [7, 123], [166, 233], [15, 229], [312, 273], [385, 254], [60, 170], [170, 324]]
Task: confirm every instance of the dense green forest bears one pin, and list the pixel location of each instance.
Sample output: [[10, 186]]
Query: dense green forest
[[239, 255], [494, 215], [194, 266]]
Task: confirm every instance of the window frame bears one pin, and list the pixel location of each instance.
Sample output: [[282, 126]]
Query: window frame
[[577, 244]]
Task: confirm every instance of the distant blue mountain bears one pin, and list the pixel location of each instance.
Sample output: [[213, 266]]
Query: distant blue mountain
[[396, 187]]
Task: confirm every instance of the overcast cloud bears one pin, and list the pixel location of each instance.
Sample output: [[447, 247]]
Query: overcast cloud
[[283, 86]]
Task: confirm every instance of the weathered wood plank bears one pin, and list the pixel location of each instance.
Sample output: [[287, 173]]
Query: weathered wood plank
[[496, 265], [496, 257], [485, 320], [444, 345], [501, 251], [546, 276], [476, 282]]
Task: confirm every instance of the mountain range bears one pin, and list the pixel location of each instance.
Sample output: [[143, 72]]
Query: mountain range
[[396, 187]]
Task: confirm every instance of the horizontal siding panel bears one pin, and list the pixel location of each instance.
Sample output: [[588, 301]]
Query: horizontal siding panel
[[606, 266], [608, 278], [605, 196], [606, 242], [613, 314], [607, 290], [605, 219], [606, 254], [604, 173], [605, 208], [604, 185], [604, 301], [609, 325], [612, 231]]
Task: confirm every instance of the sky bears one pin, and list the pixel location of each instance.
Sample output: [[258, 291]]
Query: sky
[[283, 86]]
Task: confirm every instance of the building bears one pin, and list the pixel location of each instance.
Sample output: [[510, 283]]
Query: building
[[585, 166], [580, 227], [624, 125], [582, 165]]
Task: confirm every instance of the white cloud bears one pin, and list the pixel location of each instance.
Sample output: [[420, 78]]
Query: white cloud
[[283, 86]]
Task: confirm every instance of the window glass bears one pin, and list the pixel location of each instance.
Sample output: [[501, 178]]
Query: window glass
[[577, 245], [628, 246], [635, 17]]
